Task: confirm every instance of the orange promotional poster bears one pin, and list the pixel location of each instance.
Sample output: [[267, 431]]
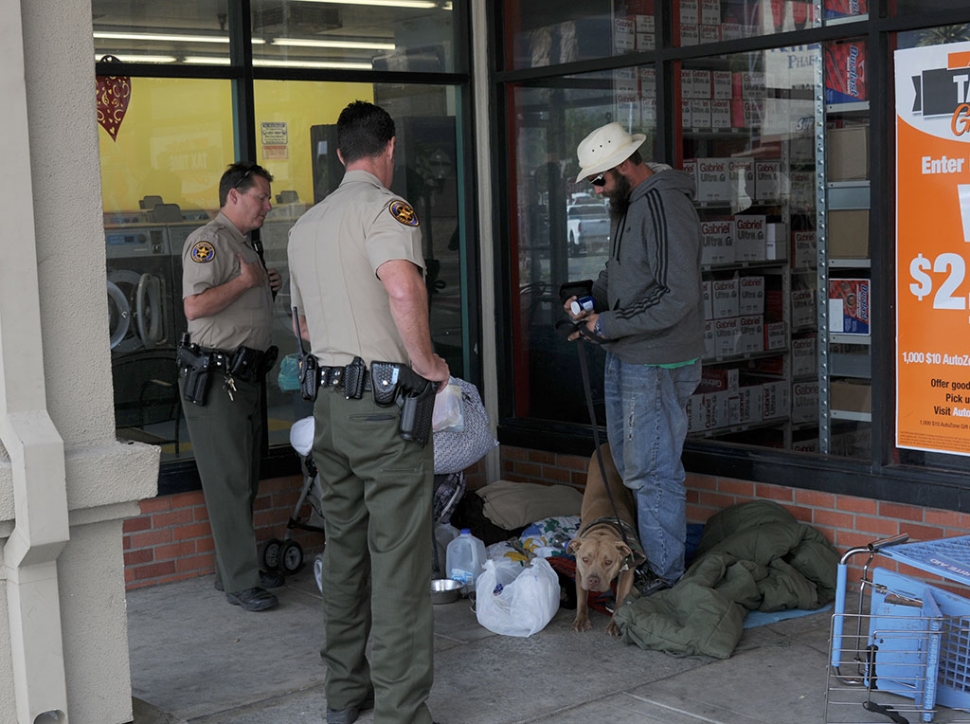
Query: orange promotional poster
[[933, 248]]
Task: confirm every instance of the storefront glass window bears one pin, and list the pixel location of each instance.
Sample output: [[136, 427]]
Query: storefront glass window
[[161, 161], [543, 34], [175, 31], [296, 128], [560, 230], [408, 36]]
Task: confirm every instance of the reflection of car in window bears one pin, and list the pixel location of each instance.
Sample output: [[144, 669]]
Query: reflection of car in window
[[589, 227]]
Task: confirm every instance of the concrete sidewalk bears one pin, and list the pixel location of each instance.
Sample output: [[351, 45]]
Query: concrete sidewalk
[[196, 659]]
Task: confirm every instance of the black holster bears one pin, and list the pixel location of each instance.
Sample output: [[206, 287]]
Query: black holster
[[394, 382], [308, 372], [195, 370]]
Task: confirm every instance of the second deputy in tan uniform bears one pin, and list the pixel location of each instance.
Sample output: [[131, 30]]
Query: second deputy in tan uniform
[[228, 301], [356, 270]]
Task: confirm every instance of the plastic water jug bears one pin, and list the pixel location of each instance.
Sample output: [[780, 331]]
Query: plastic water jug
[[444, 533], [466, 559]]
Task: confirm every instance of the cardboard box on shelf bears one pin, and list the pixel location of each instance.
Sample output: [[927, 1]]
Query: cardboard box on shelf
[[741, 170], [709, 33], [717, 240], [845, 8], [767, 180], [727, 336], [701, 84], [775, 337], [804, 401], [804, 250], [776, 241], [710, 13], [749, 237], [645, 23], [624, 35], [804, 356], [720, 114], [850, 395], [803, 312], [648, 82], [848, 153], [718, 379], [848, 234], [707, 294], [685, 119], [725, 298], [849, 306], [700, 113], [690, 34], [750, 403], [777, 399], [752, 334], [710, 343], [689, 11], [807, 445], [845, 72], [721, 85], [713, 182], [751, 295]]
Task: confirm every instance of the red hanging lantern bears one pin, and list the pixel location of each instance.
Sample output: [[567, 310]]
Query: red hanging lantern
[[114, 94]]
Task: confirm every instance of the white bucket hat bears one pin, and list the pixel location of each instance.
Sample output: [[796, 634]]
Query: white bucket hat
[[606, 147]]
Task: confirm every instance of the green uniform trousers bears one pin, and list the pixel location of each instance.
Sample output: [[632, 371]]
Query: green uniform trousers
[[377, 564], [226, 436]]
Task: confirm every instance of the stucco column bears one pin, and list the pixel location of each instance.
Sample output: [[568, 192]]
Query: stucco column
[[66, 483]]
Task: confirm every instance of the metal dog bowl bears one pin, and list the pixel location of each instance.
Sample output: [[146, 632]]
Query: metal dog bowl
[[445, 590]]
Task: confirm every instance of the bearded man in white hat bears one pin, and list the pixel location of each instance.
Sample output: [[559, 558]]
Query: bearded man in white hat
[[649, 317]]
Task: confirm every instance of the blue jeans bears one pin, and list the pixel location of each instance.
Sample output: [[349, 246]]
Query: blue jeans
[[646, 423]]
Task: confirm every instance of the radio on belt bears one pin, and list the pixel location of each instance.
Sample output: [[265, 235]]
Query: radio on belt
[[583, 304]]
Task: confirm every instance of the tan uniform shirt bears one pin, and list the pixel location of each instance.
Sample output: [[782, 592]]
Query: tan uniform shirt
[[209, 260], [334, 252]]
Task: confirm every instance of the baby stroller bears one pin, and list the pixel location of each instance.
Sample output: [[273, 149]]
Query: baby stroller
[[286, 554]]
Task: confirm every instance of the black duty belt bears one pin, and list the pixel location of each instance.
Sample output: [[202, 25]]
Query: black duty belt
[[334, 377], [244, 363]]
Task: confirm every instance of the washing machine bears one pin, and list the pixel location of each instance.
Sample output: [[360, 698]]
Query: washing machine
[[145, 321]]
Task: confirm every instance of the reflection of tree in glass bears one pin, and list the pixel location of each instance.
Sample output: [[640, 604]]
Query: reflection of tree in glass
[[943, 35]]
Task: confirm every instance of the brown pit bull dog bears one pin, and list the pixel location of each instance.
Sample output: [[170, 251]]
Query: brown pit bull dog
[[601, 553]]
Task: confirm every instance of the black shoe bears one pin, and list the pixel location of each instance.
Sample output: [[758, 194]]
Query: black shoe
[[273, 579], [350, 714], [253, 599], [648, 583]]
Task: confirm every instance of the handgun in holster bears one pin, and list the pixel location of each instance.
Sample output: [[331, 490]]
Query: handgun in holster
[[394, 382], [194, 368]]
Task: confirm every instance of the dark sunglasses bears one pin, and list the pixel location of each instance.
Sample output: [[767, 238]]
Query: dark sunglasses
[[245, 176], [599, 180]]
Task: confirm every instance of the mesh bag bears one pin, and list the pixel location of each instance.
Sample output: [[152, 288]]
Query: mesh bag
[[456, 451]]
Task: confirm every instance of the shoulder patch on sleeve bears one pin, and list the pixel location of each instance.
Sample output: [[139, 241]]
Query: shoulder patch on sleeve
[[203, 252], [403, 212]]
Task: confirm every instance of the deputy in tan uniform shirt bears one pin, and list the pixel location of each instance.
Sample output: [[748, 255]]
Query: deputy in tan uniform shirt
[[356, 271], [228, 301]]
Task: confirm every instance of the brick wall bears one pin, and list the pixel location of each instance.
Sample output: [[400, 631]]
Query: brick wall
[[171, 539], [844, 520]]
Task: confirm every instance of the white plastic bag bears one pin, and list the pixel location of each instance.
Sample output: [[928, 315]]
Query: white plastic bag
[[448, 415], [519, 607]]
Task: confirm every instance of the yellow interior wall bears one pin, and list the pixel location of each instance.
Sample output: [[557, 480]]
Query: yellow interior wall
[[176, 138]]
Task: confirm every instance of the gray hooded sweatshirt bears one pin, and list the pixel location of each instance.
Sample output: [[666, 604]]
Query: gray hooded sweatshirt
[[649, 295]]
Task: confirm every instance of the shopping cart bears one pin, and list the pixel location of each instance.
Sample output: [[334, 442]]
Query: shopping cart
[[906, 649]]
